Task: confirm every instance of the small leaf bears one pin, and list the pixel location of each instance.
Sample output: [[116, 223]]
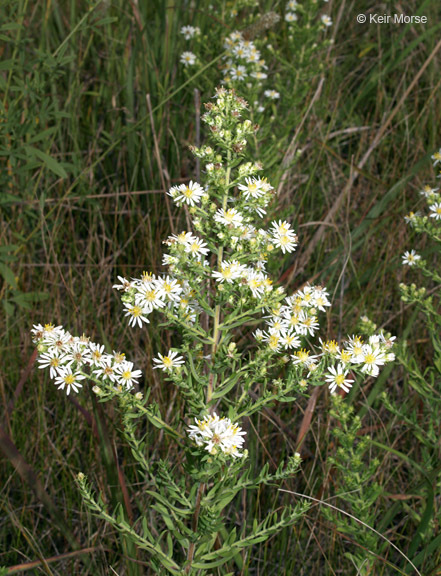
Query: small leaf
[[50, 162], [8, 275]]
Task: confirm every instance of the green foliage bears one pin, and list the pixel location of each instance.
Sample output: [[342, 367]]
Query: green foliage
[[76, 105], [352, 473]]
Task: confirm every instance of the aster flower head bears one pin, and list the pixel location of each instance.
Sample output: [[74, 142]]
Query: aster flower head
[[436, 157], [372, 358], [188, 58], [68, 380], [190, 193], [291, 17], [254, 187], [230, 217], [428, 192], [230, 270], [52, 359], [190, 31], [137, 314], [126, 376], [169, 288], [168, 362], [436, 211], [272, 94], [337, 378], [216, 435], [410, 258]]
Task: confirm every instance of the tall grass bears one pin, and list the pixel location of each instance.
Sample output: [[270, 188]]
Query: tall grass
[[85, 165]]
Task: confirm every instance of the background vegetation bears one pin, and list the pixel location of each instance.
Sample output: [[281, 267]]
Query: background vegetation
[[96, 114]]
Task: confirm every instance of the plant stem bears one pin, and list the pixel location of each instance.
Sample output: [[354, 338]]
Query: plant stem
[[219, 267], [194, 526]]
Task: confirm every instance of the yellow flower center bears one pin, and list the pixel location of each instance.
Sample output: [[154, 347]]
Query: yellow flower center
[[345, 356], [150, 295], [339, 379], [135, 311]]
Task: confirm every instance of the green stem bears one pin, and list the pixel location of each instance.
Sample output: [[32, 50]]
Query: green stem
[[194, 527], [219, 267]]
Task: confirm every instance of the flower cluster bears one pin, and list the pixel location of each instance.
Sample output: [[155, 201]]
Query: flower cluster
[[296, 317], [291, 16], [355, 353], [243, 60], [72, 359], [190, 32], [143, 295], [189, 58], [428, 223], [218, 434]]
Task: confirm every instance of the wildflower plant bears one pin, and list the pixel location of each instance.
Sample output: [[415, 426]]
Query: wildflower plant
[[213, 294], [250, 63]]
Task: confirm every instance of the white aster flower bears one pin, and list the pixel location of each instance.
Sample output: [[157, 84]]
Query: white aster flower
[[272, 94], [437, 157], [69, 380], [355, 347], [254, 187], [277, 325], [241, 50], [285, 242], [290, 341], [97, 352], [218, 434], [371, 359], [411, 218], [427, 191], [188, 58], [291, 17], [125, 375], [52, 359], [169, 288], [230, 271], [106, 368], [292, 5], [124, 285], [169, 362], [410, 258], [189, 31], [326, 20], [230, 217], [79, 353], [58, 339], [258, 75], [256, 282], [307, 324], [190, 194], [182, 238], [197, 247], [337, 379], [238, 73], [148, 299], [137, 314], [302, 358], [436, 211]]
